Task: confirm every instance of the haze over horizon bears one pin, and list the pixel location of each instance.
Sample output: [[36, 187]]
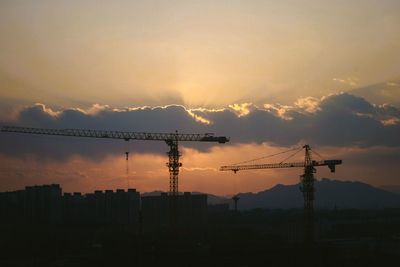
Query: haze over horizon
[[270, 75]]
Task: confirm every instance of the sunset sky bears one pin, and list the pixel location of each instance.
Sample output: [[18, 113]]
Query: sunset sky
[[271, 75]]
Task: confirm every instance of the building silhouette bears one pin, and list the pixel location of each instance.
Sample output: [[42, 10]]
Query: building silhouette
[[46, 204], [186, 212], [33, 205]]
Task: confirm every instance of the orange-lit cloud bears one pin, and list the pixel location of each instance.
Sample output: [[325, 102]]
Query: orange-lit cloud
[[341, 120]]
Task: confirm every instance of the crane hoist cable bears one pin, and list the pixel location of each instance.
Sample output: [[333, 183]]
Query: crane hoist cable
[[267, 156], [292, 155], [316, 153], [127, 162]]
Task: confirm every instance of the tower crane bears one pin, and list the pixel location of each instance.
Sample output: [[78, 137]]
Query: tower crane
[[307, 180], [171, 139]]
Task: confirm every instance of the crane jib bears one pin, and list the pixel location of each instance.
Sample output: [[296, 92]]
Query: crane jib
[[235, 168], [119, 134]]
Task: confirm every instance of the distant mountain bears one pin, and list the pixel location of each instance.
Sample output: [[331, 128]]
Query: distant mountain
[[391, 188], [213, 199], [329, 194]]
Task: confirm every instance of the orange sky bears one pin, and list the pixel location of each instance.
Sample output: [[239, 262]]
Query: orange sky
[[195, 53], [147, 172]]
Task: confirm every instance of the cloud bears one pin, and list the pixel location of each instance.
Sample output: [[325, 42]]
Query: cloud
[[335, 120], [352, 81], [309, 104], [242, 109], [380, 93], [393, 84]]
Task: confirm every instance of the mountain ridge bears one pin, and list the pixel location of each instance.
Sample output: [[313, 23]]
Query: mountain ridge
[[329, 194]]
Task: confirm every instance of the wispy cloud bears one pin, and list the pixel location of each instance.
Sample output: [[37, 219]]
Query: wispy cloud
[[352, 81]]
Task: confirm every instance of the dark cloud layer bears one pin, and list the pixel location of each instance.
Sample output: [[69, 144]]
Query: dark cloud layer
[[336, 120]]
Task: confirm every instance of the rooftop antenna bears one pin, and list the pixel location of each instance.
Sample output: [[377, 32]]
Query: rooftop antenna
[[236, 199]]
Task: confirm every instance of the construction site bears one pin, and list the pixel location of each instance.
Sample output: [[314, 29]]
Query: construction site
[[184, 229]]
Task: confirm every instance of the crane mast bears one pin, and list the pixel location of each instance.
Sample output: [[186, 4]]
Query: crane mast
[[171, 139], [307, 182], [173, 165], [307, 188]]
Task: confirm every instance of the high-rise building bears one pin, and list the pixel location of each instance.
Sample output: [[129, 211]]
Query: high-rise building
[[42, 204], [186, 212], [45, 204]]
